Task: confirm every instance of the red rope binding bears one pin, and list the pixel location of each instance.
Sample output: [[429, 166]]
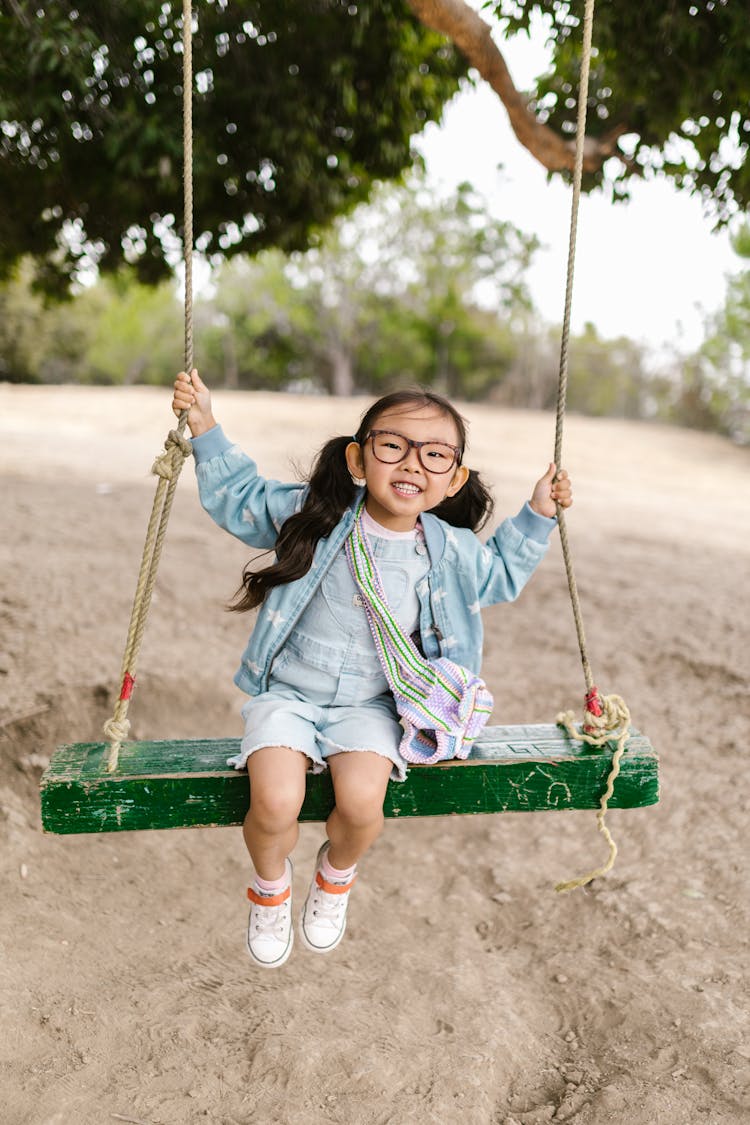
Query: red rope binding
[[593, 705], [128, 684], [593, 702]]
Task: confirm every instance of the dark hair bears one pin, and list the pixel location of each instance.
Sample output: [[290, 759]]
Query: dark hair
[[331, 491]]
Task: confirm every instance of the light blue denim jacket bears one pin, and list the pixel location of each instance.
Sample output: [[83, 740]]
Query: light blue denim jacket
[[465, 575]]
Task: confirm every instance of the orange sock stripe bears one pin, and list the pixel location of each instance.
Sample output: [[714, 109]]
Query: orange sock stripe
[[268, 900], [333, 888]]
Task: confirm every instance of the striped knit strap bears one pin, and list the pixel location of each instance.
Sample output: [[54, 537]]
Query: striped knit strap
[[442, 706], [405, 668], [409, 675]]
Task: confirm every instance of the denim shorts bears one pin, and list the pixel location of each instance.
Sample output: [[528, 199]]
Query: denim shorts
[[281, 717]]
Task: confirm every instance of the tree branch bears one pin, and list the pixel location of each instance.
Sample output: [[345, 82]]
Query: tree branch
[[473, 37], [19, 13]]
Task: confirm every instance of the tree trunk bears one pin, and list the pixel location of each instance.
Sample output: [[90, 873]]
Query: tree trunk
[[341, 371], [134, 372], [231, 371]]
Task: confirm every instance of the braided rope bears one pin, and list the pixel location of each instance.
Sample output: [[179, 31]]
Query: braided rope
[[606, 718], [187, 179], [562, 389], [168, 466]]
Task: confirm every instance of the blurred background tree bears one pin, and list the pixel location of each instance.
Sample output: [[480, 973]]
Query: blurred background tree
[[715, 393], [408, 288], [372, 307]]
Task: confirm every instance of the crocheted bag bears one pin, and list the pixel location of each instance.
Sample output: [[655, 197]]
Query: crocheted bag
[[442, 705]]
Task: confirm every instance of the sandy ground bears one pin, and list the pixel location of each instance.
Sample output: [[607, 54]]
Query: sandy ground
[[466, 989]]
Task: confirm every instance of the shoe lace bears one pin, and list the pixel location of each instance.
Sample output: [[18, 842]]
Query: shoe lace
[[329, 908], [270, 919]]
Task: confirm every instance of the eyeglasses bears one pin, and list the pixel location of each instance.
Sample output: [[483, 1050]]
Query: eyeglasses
[[434, 456]]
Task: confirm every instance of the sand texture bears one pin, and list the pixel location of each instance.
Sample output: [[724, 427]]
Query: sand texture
[[466, 990]]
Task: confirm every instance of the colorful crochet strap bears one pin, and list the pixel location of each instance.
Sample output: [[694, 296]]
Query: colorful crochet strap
[[405, 668], [442, 705]]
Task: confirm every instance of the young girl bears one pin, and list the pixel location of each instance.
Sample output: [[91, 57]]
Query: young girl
[[319, 698]]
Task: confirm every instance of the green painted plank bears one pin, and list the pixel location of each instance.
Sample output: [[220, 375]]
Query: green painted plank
[[189, 785]]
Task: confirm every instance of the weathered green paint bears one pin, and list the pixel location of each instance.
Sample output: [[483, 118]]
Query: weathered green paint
[[188, 784]]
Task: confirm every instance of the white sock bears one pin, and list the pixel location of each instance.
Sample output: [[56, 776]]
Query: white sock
[[271, 886], [335, 874]]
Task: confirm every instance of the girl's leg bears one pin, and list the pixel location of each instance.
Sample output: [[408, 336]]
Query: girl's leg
[[277, 790], [360, 779]]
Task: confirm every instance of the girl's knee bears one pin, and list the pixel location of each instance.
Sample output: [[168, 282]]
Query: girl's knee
[[275, 807], [360, 805], [277, 787]]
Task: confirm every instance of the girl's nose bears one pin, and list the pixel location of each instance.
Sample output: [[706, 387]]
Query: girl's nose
[[411, 460]]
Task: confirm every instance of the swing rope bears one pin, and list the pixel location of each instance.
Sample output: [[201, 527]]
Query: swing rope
[[606, 718], [177, 448]]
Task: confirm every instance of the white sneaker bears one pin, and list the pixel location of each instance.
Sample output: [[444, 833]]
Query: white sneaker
[[323, 920], [269, 930]]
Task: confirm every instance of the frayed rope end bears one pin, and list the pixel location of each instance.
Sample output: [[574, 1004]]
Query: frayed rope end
[[606, 719]]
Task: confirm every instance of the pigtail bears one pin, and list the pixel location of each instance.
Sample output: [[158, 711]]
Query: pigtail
[[471, 507], [330, 492]]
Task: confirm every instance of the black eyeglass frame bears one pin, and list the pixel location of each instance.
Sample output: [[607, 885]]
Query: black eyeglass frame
[[415, 445]]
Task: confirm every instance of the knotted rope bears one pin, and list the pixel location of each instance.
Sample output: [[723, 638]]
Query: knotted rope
[[168, 465], [606, 719]]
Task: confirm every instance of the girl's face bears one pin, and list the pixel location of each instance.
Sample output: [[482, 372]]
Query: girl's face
[[397, 493]]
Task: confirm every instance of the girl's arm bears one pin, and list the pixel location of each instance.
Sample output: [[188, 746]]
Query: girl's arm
[[509, 558], [236, 497]]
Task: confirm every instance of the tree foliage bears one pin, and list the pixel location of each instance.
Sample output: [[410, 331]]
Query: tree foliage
[[672, 81], [298, 108]]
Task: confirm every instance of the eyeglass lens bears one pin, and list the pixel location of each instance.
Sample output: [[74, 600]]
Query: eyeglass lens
[[436, 457]]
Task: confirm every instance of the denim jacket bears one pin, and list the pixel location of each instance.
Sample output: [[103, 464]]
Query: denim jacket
[[465, 575]]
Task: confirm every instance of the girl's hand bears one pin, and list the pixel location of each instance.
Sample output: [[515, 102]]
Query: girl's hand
[[553, 489], [192, 394]]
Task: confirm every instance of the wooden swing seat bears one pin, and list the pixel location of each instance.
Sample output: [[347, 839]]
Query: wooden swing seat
[[188, 784]]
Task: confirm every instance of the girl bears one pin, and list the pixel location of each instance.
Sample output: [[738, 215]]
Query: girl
[[319, 695]]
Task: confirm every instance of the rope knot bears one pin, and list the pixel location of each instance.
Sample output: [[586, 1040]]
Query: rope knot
[[117, 730], [604, 722], [176, 449]]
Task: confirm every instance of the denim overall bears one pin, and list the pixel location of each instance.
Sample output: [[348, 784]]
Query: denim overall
[[327, 692]]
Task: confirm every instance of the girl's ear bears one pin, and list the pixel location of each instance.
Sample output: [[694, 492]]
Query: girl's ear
[[354, 460], [460, 478]]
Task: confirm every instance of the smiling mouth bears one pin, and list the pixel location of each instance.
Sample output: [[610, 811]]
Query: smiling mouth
[[405, 489]]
